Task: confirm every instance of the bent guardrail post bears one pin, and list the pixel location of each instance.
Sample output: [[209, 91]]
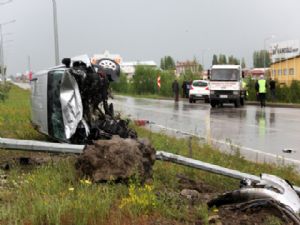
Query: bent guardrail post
[[181, 160], [39, 146]]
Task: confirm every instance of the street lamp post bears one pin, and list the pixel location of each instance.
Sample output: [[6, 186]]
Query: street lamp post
[[266, 39], [55, 33], [203, 55]]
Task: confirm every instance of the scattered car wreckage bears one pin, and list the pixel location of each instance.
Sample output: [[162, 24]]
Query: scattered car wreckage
[[271, 191], [70, 102]]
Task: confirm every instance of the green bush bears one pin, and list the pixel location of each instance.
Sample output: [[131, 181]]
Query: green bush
[[283, 93], [121, 86], [294, 92], [144, 82], [4, 90]]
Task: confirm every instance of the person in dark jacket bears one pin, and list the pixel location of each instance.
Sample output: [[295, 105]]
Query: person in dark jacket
[[272, 86], [256, 90], [175, 89], [183, 89]]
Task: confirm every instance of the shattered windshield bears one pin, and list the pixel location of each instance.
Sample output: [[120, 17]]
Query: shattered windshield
[[55, 117], [224, 74]]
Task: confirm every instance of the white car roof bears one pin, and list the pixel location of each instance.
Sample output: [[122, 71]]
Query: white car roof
[[206, 81], [226, 67]]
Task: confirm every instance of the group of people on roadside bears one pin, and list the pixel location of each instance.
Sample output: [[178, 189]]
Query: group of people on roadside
[[261, 87], [185, 89], [186, 85]]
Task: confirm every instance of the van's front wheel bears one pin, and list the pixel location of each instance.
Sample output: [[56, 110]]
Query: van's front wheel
[[242, 101], [213, 104], [237, 103]]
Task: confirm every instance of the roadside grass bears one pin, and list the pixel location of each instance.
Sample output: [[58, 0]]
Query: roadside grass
[[15, 116], [206, 153], [15, 119], [53, 193]]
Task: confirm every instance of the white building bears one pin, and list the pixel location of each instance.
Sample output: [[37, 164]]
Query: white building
[[129, 67]]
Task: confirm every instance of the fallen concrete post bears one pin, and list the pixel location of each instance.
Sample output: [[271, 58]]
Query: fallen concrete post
[[181, 160], [39, 146]]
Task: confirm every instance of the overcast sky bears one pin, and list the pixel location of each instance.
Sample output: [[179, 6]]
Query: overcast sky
[[145, 30]]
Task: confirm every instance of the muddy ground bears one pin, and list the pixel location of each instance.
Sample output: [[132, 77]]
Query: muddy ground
[[229, 215], [196, 192]]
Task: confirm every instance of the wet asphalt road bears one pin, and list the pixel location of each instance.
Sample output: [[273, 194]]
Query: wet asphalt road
[[260, 134]]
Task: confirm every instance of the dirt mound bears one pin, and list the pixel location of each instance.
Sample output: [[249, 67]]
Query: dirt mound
[[116, 159]]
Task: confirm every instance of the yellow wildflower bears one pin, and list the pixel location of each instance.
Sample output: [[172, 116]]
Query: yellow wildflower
[[71, 189]]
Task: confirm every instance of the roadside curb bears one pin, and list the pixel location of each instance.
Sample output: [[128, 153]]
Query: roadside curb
[[268, 104], [271, 104]]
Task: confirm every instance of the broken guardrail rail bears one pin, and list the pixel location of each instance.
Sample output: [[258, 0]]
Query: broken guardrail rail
[[41, 146]]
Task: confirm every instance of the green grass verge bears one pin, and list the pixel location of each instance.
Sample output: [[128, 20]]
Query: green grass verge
[[53, 194]]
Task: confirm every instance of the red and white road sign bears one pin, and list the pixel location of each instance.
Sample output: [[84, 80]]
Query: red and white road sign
[[158, 81]]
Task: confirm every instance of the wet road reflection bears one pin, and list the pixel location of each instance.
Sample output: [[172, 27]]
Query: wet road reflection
[[261, 134]]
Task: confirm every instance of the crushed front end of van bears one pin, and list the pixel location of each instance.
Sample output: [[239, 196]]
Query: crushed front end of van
[[70, 102]]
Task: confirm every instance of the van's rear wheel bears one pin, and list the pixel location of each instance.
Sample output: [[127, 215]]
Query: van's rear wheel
[[191, 100]]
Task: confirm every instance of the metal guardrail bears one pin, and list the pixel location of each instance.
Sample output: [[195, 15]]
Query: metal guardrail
[[181, 160], [40, 146]]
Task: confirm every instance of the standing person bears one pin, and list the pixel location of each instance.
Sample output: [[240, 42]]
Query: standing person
[[245, 87], [272, 86], [256, 90], [188, 87], [175, 89], [262, 90], [184, 89]]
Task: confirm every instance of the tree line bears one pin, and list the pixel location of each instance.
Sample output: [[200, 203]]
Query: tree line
[[144, 81], [261, 59]]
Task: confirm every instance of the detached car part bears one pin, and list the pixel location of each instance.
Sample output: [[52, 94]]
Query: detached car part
[[269, 191], [70, 102]]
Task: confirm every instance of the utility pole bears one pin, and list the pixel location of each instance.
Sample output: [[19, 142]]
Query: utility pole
[[56, 47], [2, 49], [29, 64], [203, 56], [2, 72], [29, 68], [3, 3], [1, 55], [265, 51]]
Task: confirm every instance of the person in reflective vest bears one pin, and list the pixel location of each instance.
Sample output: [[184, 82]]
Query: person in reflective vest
[[262, 90], [245, 88]]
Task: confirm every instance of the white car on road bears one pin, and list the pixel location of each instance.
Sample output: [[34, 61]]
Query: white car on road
[[199, 90]]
